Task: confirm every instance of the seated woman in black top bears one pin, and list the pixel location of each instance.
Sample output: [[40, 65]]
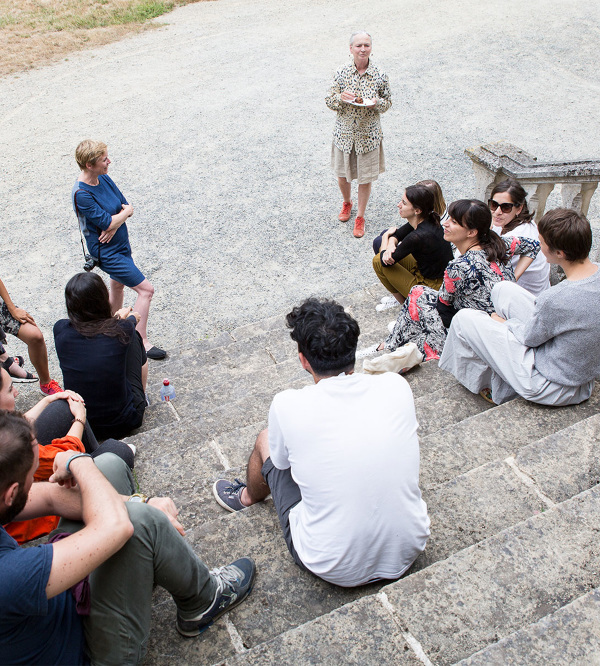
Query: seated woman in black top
[[415, 253], [102, 357]]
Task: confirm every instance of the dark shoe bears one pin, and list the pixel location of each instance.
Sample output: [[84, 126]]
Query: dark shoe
[[234, 584], [228, 494], [156, 354]]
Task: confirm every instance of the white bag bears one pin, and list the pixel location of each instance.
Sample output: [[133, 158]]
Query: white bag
[[402, 359]]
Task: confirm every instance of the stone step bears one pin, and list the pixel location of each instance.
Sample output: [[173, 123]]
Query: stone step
[[229, 427], [229, 353], [178, 461], [441, 409], [484, 501], [462, 604], [571, 635], [266, 341], [239, 400], [463, 511], [494, 434]]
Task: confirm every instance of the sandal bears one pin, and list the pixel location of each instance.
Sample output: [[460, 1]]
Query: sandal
[[486, 394], [7, 365], [23, 380]]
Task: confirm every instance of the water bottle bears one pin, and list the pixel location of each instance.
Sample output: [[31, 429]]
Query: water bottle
[[167, 392]]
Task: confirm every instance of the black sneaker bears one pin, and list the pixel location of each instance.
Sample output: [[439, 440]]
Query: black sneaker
[[228, 494], [234, 584]]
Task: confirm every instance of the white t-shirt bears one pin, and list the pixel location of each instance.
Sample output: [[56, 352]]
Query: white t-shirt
[[536, 277], [351, 442]]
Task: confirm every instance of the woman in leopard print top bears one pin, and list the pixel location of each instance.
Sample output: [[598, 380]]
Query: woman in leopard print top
[[359, 94]]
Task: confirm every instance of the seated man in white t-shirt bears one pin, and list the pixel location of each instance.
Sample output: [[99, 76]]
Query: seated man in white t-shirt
[[340, 459]]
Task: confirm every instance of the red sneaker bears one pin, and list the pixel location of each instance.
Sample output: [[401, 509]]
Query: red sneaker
[[359, 227], [50, 388], [344, 215]]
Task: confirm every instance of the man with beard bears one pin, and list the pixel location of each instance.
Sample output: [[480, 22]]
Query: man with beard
[[88, 596]]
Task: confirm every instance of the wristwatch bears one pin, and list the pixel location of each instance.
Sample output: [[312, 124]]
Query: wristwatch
[[138, 497]]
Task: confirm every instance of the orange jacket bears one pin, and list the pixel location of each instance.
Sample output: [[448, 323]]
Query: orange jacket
[[26, 530]]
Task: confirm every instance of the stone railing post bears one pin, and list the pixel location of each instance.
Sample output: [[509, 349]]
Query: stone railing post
[[494, 162]]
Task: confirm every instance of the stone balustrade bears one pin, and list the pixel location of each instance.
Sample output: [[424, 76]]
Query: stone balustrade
[[493, 162]]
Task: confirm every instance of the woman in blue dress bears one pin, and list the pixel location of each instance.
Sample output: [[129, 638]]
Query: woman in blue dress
[[103, 211]]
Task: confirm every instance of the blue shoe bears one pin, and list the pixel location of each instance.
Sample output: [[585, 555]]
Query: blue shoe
[[234, 584], [228, 494]]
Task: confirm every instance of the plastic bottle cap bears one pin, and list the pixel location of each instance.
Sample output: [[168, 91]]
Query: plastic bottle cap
[[165, 382]]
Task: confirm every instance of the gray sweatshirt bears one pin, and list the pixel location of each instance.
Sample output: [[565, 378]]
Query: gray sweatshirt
[[564, 331]]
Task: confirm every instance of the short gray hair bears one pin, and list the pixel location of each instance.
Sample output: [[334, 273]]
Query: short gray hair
[[360, 32]]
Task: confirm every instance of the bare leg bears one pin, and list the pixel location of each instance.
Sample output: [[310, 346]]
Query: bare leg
[[145, 291], [399, 298], [364, 192], [115, 295], [345, 189], [36, 346], [256, 489]]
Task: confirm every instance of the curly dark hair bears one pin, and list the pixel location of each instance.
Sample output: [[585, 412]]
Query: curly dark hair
[[326, 334]]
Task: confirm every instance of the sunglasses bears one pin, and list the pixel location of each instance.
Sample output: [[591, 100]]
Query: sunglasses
[[504, 207]]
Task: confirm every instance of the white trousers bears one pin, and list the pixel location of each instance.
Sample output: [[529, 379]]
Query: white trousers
[[483, 353]]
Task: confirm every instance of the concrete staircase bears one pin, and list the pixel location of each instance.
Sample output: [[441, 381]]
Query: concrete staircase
[[510, 573]]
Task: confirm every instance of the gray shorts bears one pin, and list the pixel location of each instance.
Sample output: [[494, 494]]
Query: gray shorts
[[286, 495], [8, 323]]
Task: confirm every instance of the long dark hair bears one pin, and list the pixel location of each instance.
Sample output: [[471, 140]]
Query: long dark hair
[[88, 308], [422, 197], [434, 187], [474, 214], [519, 197]]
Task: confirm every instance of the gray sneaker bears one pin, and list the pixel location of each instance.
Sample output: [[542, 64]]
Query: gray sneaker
[[234, 584], [228, 494]]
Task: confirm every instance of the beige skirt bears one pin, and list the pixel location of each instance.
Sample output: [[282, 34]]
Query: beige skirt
[[365, 168]]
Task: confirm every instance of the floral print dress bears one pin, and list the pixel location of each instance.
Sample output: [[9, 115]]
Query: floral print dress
[[468, 283]]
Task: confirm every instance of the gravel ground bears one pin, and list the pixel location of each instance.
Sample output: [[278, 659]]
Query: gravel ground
[[220, 137]]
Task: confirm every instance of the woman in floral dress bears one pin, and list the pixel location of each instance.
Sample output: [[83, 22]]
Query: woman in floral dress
[[484, 260]]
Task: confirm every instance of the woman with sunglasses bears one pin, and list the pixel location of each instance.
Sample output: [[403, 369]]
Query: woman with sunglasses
[[511, 217], [468, 280]]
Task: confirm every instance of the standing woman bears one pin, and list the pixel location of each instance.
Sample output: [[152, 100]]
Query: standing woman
[[415, 253], [511, 217], [102, 211], [359, 94]]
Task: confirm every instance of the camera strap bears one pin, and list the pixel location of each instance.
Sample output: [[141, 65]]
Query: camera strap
[[79, 222]]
